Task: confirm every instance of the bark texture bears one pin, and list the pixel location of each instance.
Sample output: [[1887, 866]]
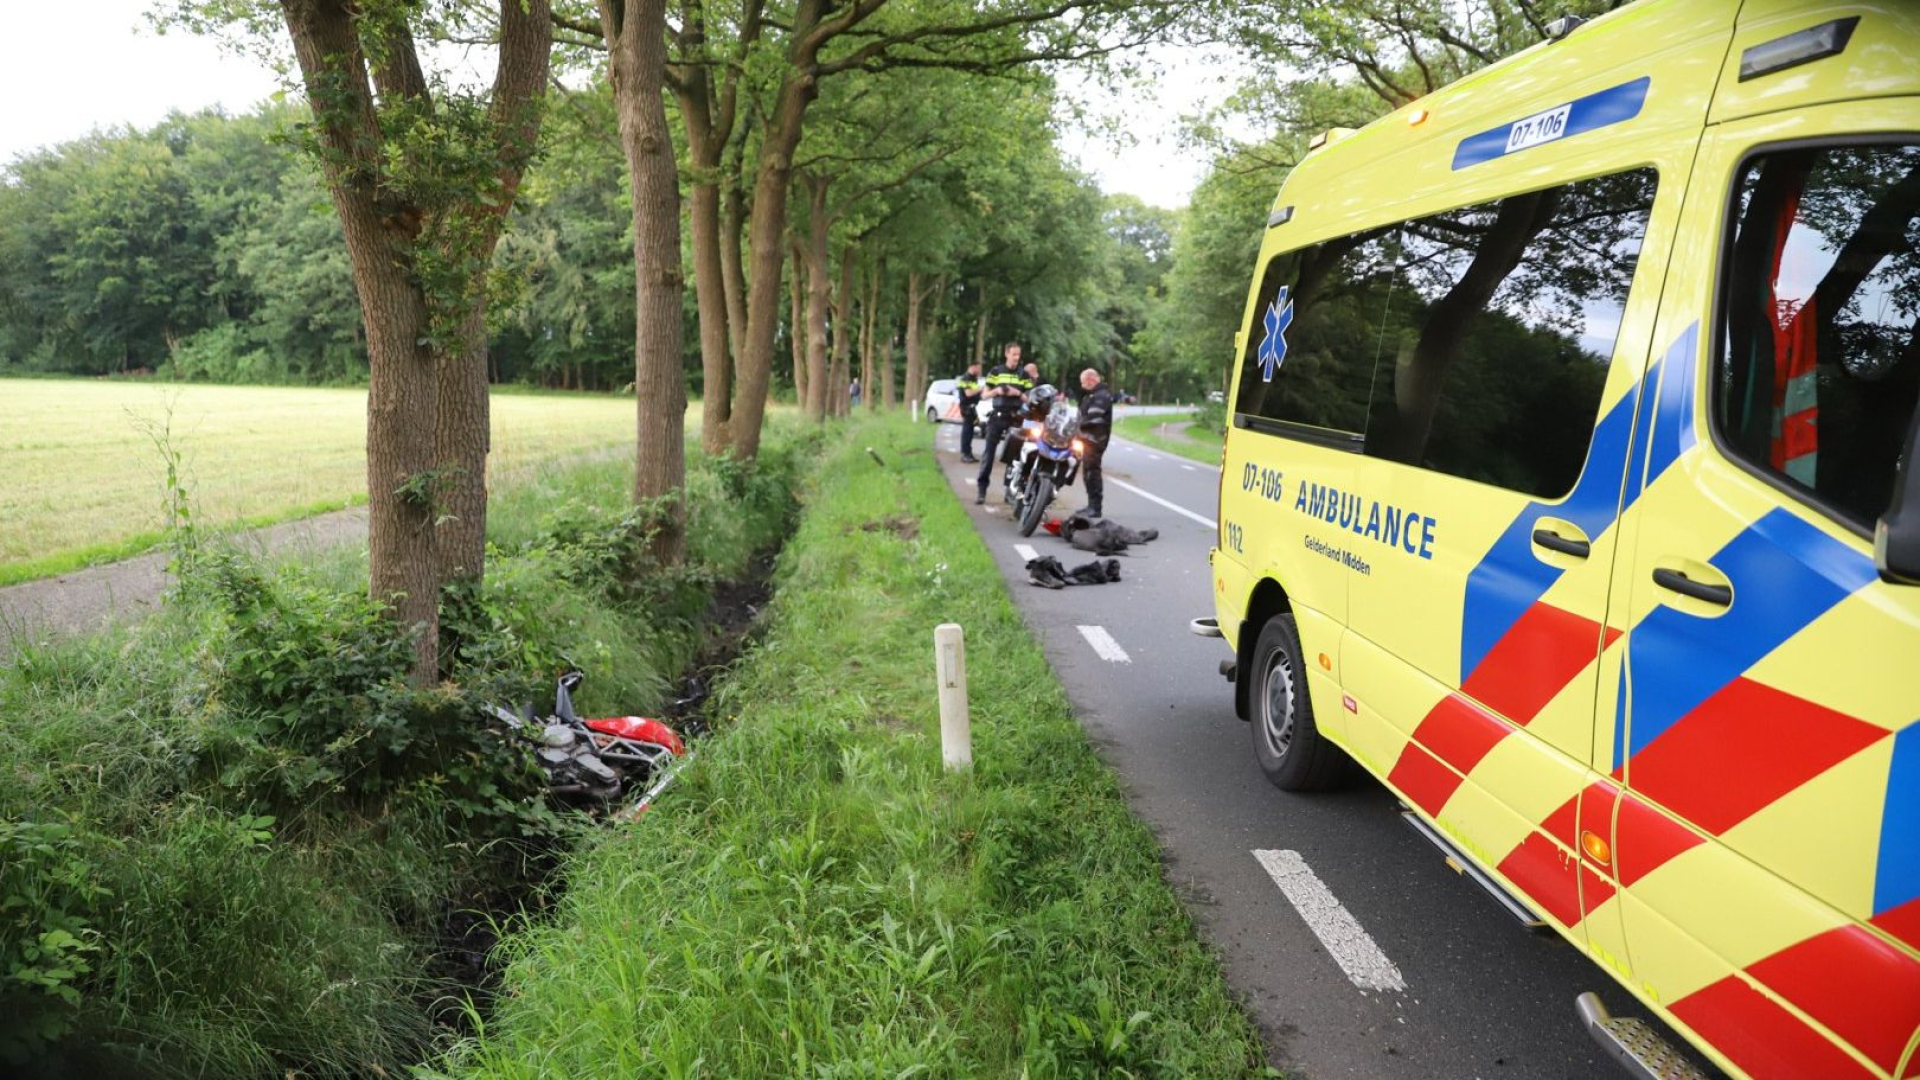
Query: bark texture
[[780, 134], [841, 376], [637, 57], [869, 320], [463, 428], [797, 322], [890, 396], [819, 396], [462, 439]]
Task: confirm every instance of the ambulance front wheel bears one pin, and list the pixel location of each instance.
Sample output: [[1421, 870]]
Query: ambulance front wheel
[[1286, 743]]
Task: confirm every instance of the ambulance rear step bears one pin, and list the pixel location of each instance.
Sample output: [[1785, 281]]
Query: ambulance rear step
[[1463, 865], [1634, 1044]]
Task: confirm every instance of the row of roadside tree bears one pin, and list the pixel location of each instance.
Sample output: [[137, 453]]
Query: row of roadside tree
[[810, 185]]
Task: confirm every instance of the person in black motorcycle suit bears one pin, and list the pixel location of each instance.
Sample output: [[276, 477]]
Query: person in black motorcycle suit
[[1096, 427], [1007, 388]]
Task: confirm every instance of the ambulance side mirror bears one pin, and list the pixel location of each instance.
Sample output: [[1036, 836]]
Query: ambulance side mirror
[[1896, 539]]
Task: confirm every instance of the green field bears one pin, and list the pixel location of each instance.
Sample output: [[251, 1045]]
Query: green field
[[81, 480]]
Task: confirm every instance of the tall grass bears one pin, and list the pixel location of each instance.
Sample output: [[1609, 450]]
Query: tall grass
[[820, 899], [191, 886]]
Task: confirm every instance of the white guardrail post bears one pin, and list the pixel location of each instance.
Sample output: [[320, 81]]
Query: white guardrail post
[[950, 669]]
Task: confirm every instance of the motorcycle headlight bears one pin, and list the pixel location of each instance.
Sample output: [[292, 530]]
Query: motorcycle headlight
[[1079, 448], [1033, 430]]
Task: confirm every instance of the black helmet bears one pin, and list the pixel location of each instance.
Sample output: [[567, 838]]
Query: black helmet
[[1042, 398]]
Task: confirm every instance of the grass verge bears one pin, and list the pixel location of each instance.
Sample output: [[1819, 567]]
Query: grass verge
[[1146, 431], [233, 841], [820, 899]]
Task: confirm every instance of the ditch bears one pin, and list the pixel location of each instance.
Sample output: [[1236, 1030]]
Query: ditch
[[465, 965]]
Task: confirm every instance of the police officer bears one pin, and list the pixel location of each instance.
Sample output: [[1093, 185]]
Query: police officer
[[1096, 427], [968, 387], [1007, 388]]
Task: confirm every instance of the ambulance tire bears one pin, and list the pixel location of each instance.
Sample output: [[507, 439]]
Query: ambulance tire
[[1286, 743]]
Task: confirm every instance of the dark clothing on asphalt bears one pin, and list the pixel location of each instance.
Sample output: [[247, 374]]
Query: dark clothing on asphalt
[[1047, 572], [1096, 427], [1102, 537]]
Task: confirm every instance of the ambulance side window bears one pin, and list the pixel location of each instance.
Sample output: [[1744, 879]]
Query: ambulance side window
[[1819, 364], [1499, 343], [1311, 346]]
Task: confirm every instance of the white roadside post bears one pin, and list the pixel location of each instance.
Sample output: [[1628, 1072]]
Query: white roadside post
[[950, 668]]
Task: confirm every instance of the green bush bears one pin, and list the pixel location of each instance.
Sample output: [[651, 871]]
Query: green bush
[[48, 889], [1211, 416], [313, 686], [224, 353]]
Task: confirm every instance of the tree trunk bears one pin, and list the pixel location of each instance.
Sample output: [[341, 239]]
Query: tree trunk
[[819, 397], [980, 334], [462, 424], [403, 386], [797, 322], [915, 387], [886, 372], [768, 234], [462, 438], [843, 334], [869, 320], [709, 273], [637, 56], [733, 225]]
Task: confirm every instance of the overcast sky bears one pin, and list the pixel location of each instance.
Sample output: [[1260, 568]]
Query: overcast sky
[[132, 75]]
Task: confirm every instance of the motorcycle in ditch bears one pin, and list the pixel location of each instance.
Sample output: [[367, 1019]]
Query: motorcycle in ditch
[[1048, 458], [594, 759]]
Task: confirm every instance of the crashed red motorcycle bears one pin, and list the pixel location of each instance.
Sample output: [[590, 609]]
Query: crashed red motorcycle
[[596, 759]]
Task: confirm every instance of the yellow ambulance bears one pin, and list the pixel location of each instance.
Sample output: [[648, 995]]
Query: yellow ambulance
[[1571, 490]]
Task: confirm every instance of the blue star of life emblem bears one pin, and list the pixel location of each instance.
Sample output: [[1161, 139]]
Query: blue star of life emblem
[[1273, 347]]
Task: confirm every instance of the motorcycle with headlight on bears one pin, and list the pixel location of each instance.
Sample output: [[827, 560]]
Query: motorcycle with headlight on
[[1047, 459]]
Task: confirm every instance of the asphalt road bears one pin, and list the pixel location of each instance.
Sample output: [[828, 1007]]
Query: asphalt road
[[1482, 997]]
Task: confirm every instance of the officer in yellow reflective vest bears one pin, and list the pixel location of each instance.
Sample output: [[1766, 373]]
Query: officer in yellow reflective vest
[[968, 387], [1007, 388]]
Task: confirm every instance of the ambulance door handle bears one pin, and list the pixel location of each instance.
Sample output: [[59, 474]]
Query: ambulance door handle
[[1553, 541], [1679, 582]]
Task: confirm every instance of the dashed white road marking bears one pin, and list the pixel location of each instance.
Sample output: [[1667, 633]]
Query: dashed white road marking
[[1153, 455], [1026, 552], [1103, 644], [1151, 497], [1345, 939], [1189, 468]]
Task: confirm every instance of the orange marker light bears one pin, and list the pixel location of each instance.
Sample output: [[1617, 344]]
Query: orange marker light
[[1596, 848], [1326, 661], [1416, 117]]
